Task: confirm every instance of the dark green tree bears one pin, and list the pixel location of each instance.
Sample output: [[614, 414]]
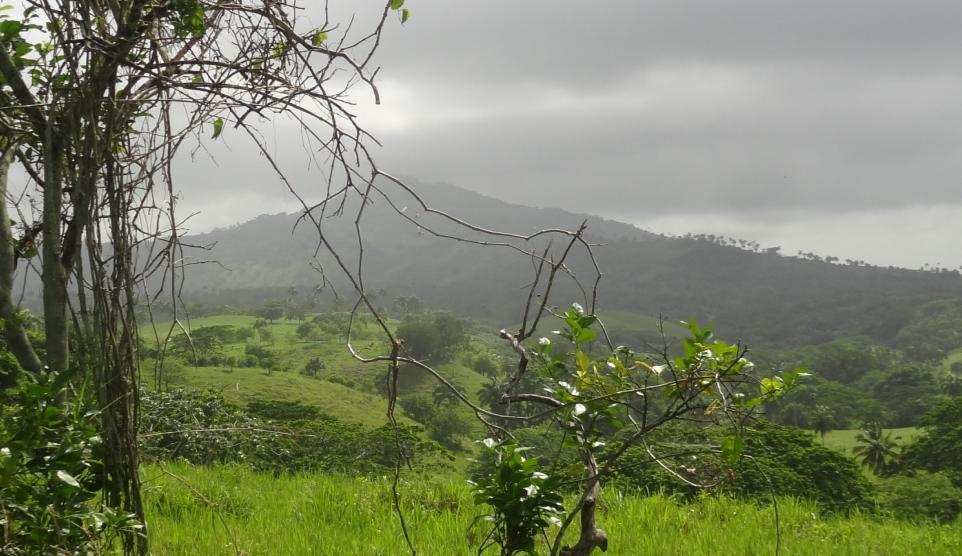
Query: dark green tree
[[939, 448], [270, 312], [877, 449], [314, 367], [823, 421], [421, 339]]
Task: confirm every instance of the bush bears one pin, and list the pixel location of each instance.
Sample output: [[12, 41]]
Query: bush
[[421, 339], [939, 448], [921, 496], [784, 461], [202, 428], [51, 474]]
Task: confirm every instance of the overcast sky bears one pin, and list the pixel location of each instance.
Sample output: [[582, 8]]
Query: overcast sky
[[827, 126]]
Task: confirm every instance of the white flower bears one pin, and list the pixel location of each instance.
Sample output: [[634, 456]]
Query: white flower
[[579, 409], [544, 341], [531, 490], [705, 353], [556, 332], [564, 385], [611, 365], [658, 369], [578, 308], [489, 442], [539, 475]]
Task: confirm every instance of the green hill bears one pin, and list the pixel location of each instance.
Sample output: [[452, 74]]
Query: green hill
[[761, 297]]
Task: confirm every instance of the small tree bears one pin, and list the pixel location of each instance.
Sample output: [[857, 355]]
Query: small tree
[[484, 366], [823, 421], [420, 339], [445, 395], [314, 367], [877, 449], [305, 330], [266, 335], [270, 312]]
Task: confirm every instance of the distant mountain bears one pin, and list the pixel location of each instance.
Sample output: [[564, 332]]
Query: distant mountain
[[759, 297]]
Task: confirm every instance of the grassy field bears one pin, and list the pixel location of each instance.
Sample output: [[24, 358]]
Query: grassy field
[[844, 440], [231, 510], [345, 388], [950, 359]]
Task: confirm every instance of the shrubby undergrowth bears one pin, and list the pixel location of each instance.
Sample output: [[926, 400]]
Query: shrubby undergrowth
[[51, 472], [202, 428]]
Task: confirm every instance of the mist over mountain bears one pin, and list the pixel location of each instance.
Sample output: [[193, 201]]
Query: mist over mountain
[[756, 296]]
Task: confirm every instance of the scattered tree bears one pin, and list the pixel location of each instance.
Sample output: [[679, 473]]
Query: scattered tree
[[876, 449]]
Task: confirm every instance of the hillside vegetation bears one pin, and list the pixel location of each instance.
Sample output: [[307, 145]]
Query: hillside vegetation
[[758, 295]]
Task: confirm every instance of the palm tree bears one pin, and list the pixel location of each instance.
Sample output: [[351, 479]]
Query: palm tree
[[876, 450], [442, 394], [823, 421]]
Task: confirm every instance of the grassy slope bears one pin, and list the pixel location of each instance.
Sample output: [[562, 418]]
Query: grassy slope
[[356, 403], [952, 357], [328, 515]]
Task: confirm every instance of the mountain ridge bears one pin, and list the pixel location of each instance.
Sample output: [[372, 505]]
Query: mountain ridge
[[757, 296]]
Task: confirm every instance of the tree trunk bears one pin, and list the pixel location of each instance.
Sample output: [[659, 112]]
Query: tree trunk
[[591, 535], [17, 341], [54, 274]]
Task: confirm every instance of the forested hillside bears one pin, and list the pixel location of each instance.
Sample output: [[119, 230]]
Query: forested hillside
[[759, 296]]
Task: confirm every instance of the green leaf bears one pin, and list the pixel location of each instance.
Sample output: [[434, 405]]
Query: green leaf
[[771, 386], [405, 15], [218, 127], [68, 478], [581, 359], [732, 449], [319, 38], [586, 335], [396, 4]]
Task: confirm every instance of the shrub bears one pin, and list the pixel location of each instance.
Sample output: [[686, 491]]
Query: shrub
[[921, 496], [202, 428], [51, 474], [784, 461]]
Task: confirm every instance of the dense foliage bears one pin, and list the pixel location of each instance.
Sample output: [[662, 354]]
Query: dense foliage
[[780, 461], [51, 472], [940, 447], [202, 428]]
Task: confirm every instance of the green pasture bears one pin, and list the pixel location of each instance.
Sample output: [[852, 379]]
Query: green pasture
[[344, 388], [231, 510], [844, 440]]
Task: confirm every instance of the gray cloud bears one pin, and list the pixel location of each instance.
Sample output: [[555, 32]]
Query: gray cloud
[[660, 108]]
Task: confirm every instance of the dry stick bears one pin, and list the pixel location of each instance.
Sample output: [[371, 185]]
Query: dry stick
[[392, 393]]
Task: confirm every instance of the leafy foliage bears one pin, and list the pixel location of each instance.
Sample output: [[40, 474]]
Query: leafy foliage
[[939, 448], [203, 429], [780, 461], [51, 473], [921, 496], [877, 450], [523, 500]]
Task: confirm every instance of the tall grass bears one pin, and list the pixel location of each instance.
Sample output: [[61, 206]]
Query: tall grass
[[231, 510]]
